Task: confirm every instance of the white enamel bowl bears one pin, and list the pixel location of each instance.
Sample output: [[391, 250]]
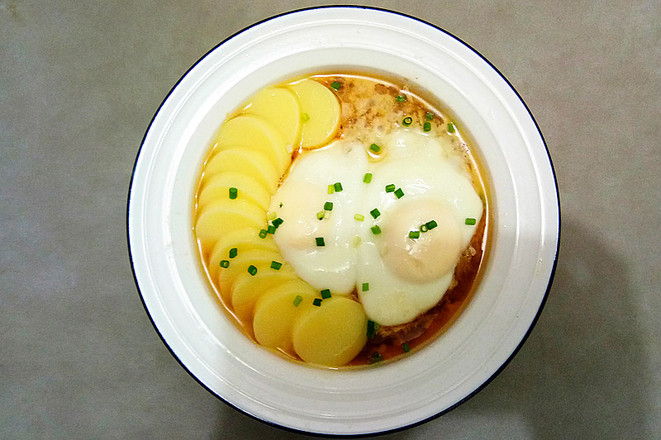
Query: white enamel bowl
[[392, 396]]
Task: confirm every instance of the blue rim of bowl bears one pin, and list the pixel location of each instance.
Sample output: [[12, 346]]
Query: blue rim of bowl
[[532, 324]]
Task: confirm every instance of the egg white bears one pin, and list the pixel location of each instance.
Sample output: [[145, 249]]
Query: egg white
[[433, 178], [302, 195]]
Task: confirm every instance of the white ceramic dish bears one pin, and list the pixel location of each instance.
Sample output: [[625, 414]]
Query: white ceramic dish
[[392, 396]]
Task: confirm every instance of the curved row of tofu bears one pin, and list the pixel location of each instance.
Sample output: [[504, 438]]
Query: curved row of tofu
[[251, 152]]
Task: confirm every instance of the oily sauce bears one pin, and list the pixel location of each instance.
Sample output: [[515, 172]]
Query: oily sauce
[[372, 106]]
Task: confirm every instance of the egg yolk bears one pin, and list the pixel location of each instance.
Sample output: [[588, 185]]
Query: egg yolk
[[434, 253]]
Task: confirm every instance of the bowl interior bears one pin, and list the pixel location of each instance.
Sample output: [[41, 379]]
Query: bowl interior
[[477, 345]]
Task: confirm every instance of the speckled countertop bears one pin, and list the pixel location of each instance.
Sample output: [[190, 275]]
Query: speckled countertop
[[79, 84]]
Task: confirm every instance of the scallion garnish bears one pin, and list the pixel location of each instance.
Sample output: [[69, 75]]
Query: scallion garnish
[[263, 233], [375, 213], [426, 126], [372, 327], [233, 193], [376, 230], [407, 121], [325, 294], [321, 215], [338, 187], [252, 270], [470, 221], [320, 241], [431, 224], [359, 217], [366, 287], [298, 300], [281, 204], [336, 85], [400, 98], [399, 193], [271, 229], [367, 178], [390, 188], [233, 252], [423, 228], [375, 148], [414, 234], [375, 357], [305, 117], [316, 302], [450, 127], [331, 189], [276, 265], [224, 263], [405, 347], [271, 215], [429, 116], [328, 206], [277, 222]]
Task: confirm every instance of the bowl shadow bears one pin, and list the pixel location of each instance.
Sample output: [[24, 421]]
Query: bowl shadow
[[581, 373]]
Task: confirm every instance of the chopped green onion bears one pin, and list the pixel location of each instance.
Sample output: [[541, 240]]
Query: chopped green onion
[[321, 215], [336, 85], [252, 270], [359, 217], [376, 230], [372, 327], [401, 98], [233, 193], [305, 117], [338, 187], [317, 302], [426, 126], [331, 189], [390, 188], [325, 294], [367, 178], [298, 300], [263, 233], [405, 347], [407, 121], [328, 206], [399, 193], [271, 229], [277, 222], [375, 148], [470, 221], [431, 224], [375, 213], [271, 215], [276, 265], [375, 357], [366, 287], [450, 127], [414, 234], [224, 263], [233, 252], [423, 228], [429, 116], [320, 241], [281, 204]]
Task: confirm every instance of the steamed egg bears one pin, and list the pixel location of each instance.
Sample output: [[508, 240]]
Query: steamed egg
[[318, 226], [394, 237]]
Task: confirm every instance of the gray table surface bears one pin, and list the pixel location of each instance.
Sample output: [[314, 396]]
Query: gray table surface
[[79, 84]]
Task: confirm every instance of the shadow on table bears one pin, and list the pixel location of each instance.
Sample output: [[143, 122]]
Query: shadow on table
[[580, 374]]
